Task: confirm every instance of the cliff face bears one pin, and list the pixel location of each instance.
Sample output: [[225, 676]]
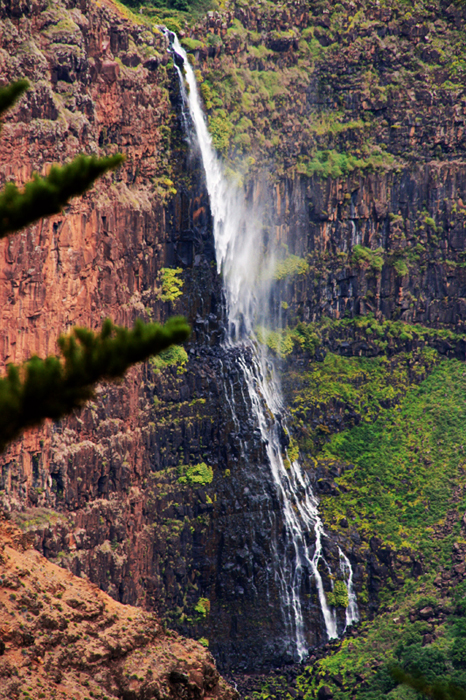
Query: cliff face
[[357, 113], [102, 491], [100, 85]]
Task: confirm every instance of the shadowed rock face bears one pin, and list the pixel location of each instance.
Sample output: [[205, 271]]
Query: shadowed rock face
[[101, 491]]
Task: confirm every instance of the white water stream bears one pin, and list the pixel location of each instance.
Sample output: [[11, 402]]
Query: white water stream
[[245, 267]]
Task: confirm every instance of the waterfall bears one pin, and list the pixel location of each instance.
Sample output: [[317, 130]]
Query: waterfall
[[248, 274]]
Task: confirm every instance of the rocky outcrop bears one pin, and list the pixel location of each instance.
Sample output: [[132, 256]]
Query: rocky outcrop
[[61, 634]]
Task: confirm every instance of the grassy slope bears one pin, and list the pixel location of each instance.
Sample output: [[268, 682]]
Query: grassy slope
[[407, 464]]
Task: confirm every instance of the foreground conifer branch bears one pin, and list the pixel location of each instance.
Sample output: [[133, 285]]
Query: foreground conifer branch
[[438, 690], [54, 387], [10, 93], [44, 196]]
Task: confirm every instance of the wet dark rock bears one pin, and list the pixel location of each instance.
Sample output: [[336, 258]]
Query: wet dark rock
[[426, 613], [324, 693]]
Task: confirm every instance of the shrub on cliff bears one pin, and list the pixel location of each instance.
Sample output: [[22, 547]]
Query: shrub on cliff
[[55, 386]]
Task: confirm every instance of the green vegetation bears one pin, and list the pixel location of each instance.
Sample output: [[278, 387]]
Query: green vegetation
[[171, 283], [290, 267], [198, 474], [330, 163], [355, 388], [363, 666], [339, 596], [280, 342], [379, 336], [173, 13], [192, 44], [202, 607], [173, 356], [366, 257], [401, 460], [406, 464], [37, 518], [262, 73]]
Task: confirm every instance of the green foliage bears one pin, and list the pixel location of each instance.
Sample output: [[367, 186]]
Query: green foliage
[[174, 355], [198, 474], [330, 163], [54, 387], [290, 267], [171, 283], [401, 267], [204, 642], [339, 596], [406, 463], [280, 342], [181, 5], [357, 388], [439, 690], [202, 607], [390, 653], [48, 195], [192, 44], [401, 467], [379, 335], [220, 130], [365, 257]]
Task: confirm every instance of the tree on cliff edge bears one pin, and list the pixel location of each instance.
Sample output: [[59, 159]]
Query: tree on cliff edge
[[55, 386]]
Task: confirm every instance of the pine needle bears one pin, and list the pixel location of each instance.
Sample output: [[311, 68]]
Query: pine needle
[[53, 387], [10, 93], [44, 196]]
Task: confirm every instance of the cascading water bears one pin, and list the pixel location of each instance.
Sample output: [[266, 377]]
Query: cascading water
[[248, 274]]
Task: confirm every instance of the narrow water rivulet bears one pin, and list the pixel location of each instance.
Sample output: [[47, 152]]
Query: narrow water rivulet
[[246, 262]]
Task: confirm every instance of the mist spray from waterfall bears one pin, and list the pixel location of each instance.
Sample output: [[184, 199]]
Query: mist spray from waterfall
[[247, 268]]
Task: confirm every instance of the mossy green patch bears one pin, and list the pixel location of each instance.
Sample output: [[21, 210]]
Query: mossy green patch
[[171, 283], [290, 267], [360, 667], [202, 607], [351, 389], [339, 596], [379, 336], [365, 257], [174, 355], [331, 163], [197, 474], [281, 342]]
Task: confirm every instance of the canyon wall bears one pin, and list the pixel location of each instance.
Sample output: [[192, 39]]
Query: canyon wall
[[102, 491]]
